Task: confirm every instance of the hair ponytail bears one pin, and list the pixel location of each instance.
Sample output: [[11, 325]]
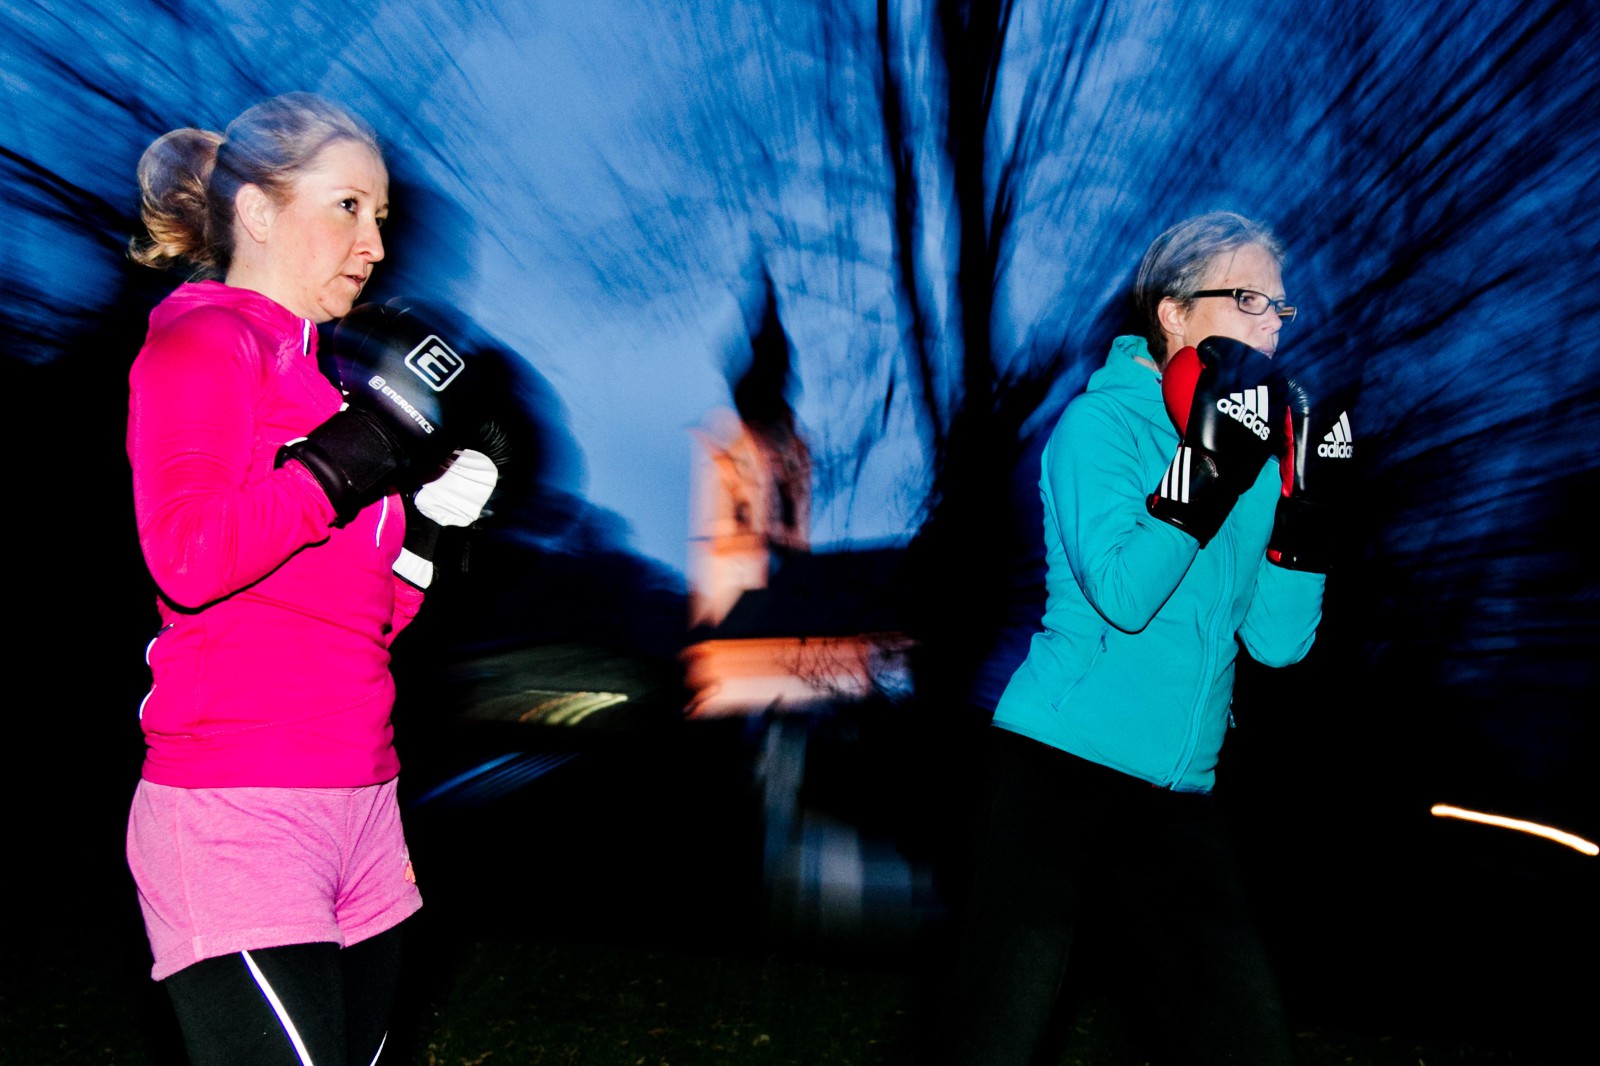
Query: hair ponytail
[[174, 181]]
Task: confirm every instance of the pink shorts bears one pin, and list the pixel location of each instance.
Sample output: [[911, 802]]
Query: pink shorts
[[221, 870]]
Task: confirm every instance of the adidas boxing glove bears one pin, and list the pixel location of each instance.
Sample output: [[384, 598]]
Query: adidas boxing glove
[[1318, 465], [1222, 397], [395, 370]]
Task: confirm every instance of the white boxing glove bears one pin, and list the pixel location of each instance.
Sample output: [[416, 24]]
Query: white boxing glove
[[455, 498]]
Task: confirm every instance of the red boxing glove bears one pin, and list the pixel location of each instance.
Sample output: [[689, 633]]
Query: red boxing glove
[[1178, 382]]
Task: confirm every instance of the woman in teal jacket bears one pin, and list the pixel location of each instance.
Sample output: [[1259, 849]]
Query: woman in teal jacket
[[1134, 668], [1110, 730]]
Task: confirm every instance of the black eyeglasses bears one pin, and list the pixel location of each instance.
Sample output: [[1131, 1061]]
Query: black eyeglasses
[[1252, 302]]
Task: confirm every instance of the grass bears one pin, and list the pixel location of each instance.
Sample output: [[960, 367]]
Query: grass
[[595, 1006], [585, 1004]]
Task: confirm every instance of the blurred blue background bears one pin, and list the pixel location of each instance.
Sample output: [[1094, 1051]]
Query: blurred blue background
[[944, 204]]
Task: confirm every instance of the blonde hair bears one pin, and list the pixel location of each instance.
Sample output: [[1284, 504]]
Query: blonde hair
[[188, 178]]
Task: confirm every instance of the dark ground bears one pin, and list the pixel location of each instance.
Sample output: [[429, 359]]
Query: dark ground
[[485, 1002], [621, 908]]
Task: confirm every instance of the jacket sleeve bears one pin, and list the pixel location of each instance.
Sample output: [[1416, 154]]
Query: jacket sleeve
[[1126, 563], [208, 525], [1280, 624]]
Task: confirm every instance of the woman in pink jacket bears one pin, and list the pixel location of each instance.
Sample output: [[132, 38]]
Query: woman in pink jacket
[[265, 835]]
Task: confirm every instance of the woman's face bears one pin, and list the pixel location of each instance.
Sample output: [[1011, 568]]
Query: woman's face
[[1247, 267], [314, 252]]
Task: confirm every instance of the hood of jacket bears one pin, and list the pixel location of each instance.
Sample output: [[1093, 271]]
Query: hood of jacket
[[1130, 374]]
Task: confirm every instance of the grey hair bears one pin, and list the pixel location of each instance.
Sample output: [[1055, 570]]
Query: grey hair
[[1177, 262], [188, 178]]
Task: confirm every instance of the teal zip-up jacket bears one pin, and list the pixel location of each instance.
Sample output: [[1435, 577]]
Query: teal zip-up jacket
[[1134, 668]]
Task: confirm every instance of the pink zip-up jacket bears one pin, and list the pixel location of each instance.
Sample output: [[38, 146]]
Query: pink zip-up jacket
[[272, 663]]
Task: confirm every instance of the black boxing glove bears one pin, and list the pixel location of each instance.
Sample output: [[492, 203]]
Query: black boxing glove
[[1222, 397], [493, 441], [354, 457], [395, 369], [1318, 465], [395, 363]]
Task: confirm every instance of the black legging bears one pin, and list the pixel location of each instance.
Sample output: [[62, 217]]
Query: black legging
[[298, 1005], [1073, 845]]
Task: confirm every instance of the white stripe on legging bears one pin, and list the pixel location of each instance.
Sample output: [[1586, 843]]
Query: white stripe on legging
[[278, 1009], [379, 1052]]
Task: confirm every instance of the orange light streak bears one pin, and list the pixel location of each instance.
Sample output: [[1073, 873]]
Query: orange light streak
[[1576, 843]]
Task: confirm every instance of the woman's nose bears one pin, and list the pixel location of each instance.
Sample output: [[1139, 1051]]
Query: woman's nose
[[371, 243]]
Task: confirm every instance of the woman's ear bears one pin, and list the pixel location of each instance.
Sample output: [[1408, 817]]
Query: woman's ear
[[255, 211], [1173, 317]]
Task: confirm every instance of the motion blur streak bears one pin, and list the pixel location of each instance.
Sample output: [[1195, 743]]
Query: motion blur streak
[[572, 708], [494, 779], [948, 201], [1576, 843]]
